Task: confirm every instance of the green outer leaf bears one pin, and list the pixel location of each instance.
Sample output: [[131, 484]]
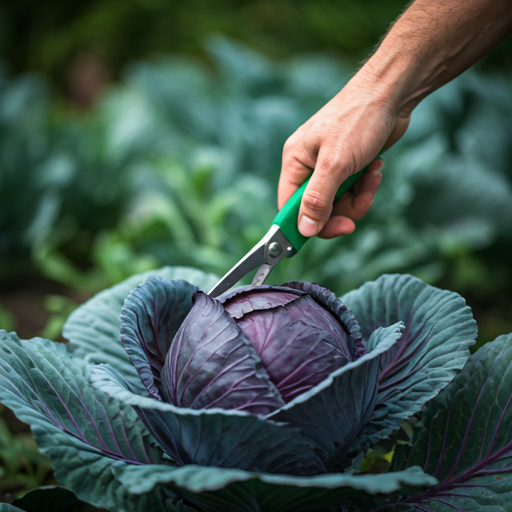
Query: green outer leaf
[[40, 382], [215, 437], [439, 329], [233, 490], [93, 329], [333, 412], [466, 439]]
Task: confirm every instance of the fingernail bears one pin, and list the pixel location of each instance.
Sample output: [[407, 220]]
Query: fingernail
[[308, 227]]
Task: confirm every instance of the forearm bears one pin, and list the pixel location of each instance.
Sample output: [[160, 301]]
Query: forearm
[[433, 42]]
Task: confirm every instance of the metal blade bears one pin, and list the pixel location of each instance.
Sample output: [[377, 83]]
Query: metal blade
[[271, 249], [253, 259], [261, 274]]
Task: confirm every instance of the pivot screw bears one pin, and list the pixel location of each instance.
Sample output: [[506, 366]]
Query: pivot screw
[[274, 249]]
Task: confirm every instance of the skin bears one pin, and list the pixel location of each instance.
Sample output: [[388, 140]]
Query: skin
[[429, 45]]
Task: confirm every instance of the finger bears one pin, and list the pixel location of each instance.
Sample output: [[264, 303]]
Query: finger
[[363, 182], [317, 201], [356, 204], [297, 165], [336, 226]]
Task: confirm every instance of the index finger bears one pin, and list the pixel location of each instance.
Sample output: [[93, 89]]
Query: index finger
[[296, 168]]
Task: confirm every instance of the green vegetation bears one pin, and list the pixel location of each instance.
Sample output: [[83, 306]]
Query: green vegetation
[[21, 464], [47, 37], [178, 164]]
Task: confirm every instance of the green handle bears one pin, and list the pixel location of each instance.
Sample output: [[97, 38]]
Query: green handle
[[288, 215]]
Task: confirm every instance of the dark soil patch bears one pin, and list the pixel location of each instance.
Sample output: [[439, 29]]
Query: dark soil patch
[[25, 302]]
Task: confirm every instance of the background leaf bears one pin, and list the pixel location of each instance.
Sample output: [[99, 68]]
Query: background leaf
[[22, 466]]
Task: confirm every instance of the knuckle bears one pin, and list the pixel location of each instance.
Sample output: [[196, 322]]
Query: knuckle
[[331, 160], [347, 164], [290, 144], [314, 202], [338, 162], [351, 163]]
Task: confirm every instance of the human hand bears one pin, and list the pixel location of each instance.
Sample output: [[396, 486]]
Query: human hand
[[338, 141], [431, 43]]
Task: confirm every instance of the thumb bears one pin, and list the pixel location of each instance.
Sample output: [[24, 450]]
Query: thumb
[[317, 201]]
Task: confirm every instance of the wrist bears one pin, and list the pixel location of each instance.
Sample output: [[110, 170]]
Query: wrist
[[397, 77], [432, 43]]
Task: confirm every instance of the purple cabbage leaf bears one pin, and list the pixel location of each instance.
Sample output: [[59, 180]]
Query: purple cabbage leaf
[[50, 498], [212, 364], [300, 340], [231, 490], [333, 413], [145, 337], [216, 437], [93, 329]]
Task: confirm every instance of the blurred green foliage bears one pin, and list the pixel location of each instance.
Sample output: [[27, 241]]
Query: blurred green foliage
[[22, 466], [59, 308], [48, 36], [55, 171], [179, 164], [6, 319]]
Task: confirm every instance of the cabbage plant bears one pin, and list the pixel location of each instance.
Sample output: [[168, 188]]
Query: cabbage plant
[[268, 399]]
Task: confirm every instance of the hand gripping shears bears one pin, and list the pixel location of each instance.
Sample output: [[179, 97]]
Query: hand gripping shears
[[283, 240]]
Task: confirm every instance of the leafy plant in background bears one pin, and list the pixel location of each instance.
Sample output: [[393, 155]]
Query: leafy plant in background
[[179, 165], [29, 177], [22, 466], [117, 32], [443, 210], [443, 199], [159, 439], [59, 184]]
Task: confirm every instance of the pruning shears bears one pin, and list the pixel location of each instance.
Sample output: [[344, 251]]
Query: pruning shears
[[283, 240]]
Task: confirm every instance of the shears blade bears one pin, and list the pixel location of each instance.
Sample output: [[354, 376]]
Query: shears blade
[[269, 251]]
